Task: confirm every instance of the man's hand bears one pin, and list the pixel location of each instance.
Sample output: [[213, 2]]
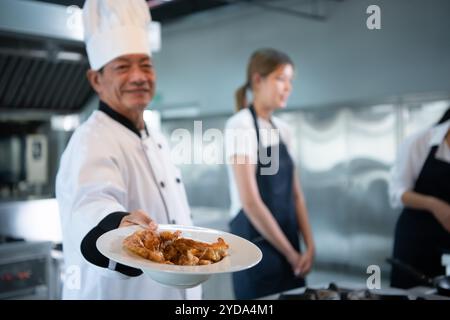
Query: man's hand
[[138, 217]]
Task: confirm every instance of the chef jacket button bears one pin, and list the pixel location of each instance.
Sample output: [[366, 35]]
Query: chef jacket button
[[162, 184], [173, 221], [159, 145], [178, 180]]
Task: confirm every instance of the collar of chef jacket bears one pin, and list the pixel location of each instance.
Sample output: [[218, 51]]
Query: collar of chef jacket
[[120, 118]]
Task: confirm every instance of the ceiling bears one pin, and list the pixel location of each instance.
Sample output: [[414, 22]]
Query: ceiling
[[162, 11]]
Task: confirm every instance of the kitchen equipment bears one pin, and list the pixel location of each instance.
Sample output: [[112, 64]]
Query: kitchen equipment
[[36, 156], [441, 283], [334, 292], [25, 269]]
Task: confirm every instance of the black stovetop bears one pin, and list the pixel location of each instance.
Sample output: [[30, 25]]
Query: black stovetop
[[333, 292]]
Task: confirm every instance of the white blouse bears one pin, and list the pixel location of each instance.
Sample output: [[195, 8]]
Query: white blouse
[[411, 157], [240, 140]]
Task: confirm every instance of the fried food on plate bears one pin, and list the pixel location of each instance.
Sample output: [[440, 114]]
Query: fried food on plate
[[169, 248]]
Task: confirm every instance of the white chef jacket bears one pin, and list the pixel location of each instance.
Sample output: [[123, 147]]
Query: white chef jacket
[[411, 157], [106, 168], [240, 139]]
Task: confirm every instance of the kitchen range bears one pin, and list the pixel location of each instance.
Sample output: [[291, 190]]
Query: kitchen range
[[30, 250], [25, 269], [358, 292]]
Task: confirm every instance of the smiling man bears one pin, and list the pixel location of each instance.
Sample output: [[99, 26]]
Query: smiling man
[[116, 171], [126, 85]]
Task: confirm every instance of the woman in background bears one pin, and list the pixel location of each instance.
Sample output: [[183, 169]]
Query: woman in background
[[421, 185], [268, 207]]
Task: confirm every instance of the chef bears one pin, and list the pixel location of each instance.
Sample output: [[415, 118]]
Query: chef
[[116, 171], [420, 185]]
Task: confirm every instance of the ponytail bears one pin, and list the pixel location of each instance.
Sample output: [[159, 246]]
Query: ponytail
[[241, 99]]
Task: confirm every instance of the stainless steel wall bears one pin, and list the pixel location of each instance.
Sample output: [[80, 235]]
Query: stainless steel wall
[[344, 154], [206, 184]]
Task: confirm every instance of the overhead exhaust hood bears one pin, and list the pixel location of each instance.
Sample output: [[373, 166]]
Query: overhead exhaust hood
[[43, 76], [43, 63]]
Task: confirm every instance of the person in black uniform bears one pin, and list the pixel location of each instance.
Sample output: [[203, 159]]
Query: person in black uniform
[[421, 184], [268, 206]]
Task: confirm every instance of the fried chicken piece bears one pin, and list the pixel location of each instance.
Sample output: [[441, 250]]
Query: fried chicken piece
[[187, 259], [170, 253], [145, 243], [169, 236], [212, 255], [214, 252], [151, 240], [167, 247]]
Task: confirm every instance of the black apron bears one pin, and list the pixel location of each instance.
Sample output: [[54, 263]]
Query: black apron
[[274, 273], [420, 239]]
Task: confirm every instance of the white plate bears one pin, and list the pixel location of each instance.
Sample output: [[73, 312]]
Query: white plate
[[242, 254]]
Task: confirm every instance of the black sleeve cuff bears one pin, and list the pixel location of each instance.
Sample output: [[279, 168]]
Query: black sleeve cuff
[[89, 248]]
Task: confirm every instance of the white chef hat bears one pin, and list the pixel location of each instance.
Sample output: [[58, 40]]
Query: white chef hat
[[113, 28]]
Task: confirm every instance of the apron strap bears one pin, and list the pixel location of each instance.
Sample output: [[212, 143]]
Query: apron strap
[[431, 155], [255, 122]]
